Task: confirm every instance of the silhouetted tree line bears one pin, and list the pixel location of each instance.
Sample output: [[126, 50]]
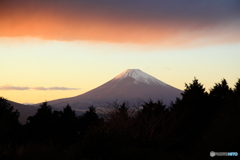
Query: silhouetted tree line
[[191, 127]]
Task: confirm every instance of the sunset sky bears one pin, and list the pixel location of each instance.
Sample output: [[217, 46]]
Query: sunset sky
[[51, 49]]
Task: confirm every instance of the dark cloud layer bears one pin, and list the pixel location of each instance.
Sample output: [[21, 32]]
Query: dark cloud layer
[[204, 10]]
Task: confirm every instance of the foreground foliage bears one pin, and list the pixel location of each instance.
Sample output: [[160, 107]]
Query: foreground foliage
[[191, 127]]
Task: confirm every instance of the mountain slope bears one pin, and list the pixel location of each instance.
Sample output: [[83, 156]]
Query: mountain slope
[[130, 85]]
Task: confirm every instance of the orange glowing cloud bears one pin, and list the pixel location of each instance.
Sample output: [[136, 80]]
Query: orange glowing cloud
[[77, 21]]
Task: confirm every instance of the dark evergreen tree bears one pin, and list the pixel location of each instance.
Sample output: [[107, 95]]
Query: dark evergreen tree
[[221, 95], [193, 108], [88, 119], [155, 123], [150, 108], [68, 125], [43, 116], [236, 92], [68, 113], [122, 111], [41, 126], [120, 123], [9, 124], [223, 132], [90, 116]]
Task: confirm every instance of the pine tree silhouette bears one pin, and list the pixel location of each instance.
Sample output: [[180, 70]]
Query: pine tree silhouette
[[9, 123]]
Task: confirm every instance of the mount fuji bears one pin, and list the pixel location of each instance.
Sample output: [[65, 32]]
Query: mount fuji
[[131, 85]]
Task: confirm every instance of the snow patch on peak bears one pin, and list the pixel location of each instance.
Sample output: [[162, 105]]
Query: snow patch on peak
[[140, 77]]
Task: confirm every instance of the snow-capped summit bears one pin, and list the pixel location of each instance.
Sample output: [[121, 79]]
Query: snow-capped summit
[[139, 77]]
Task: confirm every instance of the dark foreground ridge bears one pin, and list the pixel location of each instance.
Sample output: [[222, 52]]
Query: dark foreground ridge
[[190, 128]]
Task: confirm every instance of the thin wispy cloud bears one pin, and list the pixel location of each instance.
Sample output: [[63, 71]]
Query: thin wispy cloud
[[53, 88], [10, 87], [39, 88]]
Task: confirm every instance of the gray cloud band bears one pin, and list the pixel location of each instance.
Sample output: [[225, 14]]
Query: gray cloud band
[[54, 88], [35, 88]]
